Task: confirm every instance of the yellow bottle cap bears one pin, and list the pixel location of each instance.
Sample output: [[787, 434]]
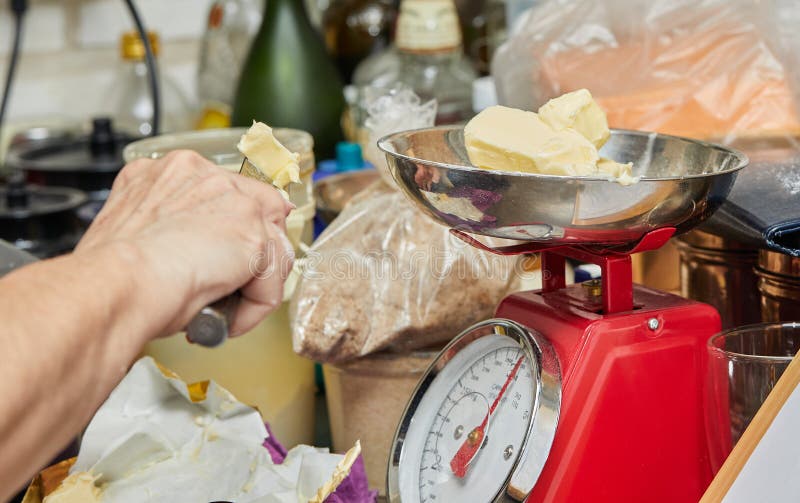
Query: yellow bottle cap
[[132, 47], [214, 116]]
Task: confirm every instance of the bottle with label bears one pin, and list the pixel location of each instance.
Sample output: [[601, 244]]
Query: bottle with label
[[230, 29], [288, 79], [428, 57], [355, 29], [129, 100], [316, 9], [483, 25], [432, 61]]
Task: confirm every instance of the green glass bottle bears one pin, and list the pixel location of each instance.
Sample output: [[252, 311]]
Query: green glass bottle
[[288, 79]]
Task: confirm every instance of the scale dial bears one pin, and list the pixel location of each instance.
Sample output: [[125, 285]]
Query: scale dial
[[465, 434]]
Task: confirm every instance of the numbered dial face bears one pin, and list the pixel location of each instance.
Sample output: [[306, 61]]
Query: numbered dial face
[[467, 433]]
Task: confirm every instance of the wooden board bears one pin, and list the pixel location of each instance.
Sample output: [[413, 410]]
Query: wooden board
[[765, 463]]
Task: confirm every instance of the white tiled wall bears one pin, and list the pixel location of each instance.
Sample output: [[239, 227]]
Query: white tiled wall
[[70, 50]]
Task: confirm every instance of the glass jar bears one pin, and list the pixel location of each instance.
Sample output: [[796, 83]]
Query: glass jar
[[744, 365]]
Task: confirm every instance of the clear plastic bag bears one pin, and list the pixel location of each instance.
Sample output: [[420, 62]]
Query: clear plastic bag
[[389, 110], [699, 68], [384, 276]]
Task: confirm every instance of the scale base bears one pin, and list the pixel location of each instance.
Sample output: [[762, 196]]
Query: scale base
[[631, 423]]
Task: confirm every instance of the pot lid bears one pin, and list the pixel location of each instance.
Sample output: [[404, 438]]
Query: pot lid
[[100, 151], [21, 202], [760, 211]]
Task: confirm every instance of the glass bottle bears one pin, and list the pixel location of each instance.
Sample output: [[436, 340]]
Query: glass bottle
[[355, 29], [129, 100], [288, 79], [432, 61], [230, 29], [473, 28], [428, 57], [316, 9], [380, 69], [483, 25]]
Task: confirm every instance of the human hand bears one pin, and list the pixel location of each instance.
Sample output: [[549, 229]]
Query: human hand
[[191, 233]]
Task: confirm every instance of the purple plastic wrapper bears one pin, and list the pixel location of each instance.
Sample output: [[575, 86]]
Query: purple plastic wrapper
[[276, 451], [353, 489]]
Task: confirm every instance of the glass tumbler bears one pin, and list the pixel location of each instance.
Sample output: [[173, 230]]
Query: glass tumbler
[[743, 366]]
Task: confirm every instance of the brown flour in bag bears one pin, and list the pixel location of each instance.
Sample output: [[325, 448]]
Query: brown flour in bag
[[385, 276]]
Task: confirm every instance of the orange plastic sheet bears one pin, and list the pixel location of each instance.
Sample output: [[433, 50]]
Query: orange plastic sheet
[[705, 69]]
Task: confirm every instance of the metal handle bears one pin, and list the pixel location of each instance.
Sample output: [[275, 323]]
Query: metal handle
[[211, 326]]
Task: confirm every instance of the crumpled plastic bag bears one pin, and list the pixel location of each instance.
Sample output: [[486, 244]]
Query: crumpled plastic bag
[[388, 111], [700, 68], [383, 276], [353, 489]]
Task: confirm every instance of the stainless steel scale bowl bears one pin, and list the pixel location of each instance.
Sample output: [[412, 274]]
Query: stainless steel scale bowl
[[682, 182]]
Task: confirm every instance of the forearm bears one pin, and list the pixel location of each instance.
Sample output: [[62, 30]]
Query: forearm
[[69, 334]]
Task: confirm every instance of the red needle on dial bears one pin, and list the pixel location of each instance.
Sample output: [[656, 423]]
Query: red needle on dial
[[474, 440]]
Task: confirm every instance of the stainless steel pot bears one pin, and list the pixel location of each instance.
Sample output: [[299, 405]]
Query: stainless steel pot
[[43, 221], [720, 272], [779, 284]]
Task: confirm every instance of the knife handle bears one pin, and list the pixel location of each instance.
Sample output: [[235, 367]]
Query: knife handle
[[211, 326]]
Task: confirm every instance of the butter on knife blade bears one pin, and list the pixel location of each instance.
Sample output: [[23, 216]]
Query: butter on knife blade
[[266, 159], [342, 472]]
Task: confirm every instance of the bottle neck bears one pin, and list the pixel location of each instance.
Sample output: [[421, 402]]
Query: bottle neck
[[296, 7]]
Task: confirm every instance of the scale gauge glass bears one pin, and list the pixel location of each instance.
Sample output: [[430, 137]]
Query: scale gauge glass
[[465, 434]]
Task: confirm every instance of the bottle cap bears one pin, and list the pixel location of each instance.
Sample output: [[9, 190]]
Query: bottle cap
[[484, 94], [348, 156], [132, 48]]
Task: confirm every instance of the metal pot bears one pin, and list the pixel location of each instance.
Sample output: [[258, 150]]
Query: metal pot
[[42, 221], [88, 163], [720, 272], [779, 284]]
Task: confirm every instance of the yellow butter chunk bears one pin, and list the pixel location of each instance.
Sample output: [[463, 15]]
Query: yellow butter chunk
[[577, 110], [267, 154], [508, 139], [77, 488], [562, 139], [613, 168]]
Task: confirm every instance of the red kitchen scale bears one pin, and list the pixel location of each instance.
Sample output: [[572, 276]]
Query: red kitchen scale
[[586, 393]]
